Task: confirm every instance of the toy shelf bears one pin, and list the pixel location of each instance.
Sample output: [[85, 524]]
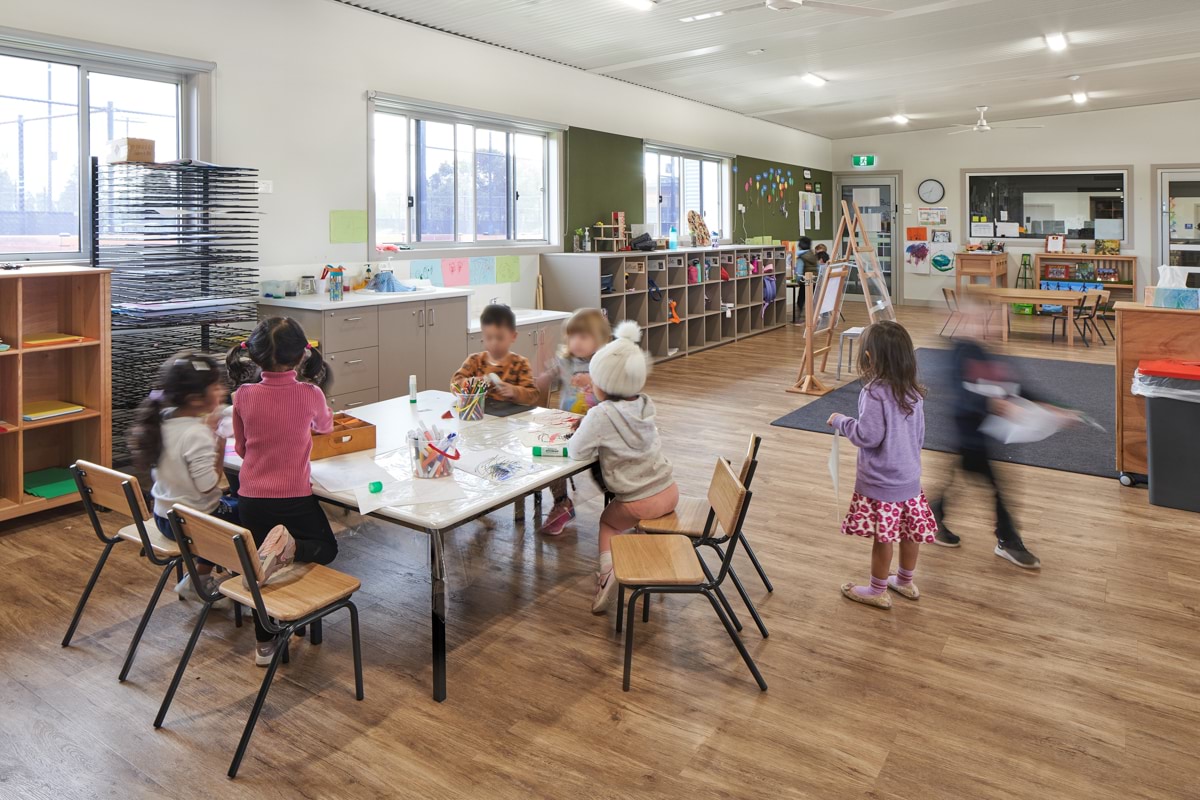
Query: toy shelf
[[1048, 266], [711, 311], [40, 300]]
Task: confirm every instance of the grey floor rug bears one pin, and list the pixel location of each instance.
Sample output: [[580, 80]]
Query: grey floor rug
[[1087, 387]]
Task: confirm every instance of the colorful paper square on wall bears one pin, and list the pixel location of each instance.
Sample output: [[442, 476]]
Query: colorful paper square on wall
[[456, 272], [483, 270], [508, 269], [428, 269]]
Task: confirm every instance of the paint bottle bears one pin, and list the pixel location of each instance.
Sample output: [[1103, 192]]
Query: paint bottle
[[336, 285], [412, 389], [552, 452]]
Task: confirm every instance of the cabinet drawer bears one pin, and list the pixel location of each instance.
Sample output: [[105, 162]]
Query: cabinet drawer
[[354, 370], [348, 401], [350, 329]]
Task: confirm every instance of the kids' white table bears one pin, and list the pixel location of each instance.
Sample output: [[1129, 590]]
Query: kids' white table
[[393, 419]]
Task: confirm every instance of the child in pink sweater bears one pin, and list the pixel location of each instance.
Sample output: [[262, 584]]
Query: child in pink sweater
[[273, 422]]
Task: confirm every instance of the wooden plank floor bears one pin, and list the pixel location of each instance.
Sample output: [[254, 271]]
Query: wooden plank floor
[[1080, 681]]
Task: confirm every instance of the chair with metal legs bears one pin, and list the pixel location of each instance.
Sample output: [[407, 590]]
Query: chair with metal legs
[[951, 298], [668, 564], [297, 596], [120, 492]]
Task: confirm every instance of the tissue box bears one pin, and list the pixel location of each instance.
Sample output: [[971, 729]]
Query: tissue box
[[1165, 297], [349, 435], [130, 150]]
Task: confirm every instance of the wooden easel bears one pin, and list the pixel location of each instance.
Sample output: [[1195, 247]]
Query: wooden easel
[[860, 250], [832, 279]]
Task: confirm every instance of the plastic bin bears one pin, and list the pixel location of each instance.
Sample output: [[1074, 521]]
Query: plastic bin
[[1172, 392]]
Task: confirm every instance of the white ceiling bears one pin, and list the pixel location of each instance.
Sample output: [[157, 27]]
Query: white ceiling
[[933, 61]]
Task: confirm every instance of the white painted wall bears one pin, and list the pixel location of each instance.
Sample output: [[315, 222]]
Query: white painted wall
[[1158, 134], [290, 99]]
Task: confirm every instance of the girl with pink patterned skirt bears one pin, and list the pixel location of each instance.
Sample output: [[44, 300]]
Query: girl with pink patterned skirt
[[888, 504]]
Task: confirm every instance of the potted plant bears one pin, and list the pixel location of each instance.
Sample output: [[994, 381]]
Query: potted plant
[[582, 240]]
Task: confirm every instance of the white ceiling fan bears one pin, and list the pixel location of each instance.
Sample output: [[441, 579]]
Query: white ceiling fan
[[789, 5], [982, 126]]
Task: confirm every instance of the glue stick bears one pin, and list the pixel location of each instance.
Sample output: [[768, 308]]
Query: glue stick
[[557, 452], [412, 388]]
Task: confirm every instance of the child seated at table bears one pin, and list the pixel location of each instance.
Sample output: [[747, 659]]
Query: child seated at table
[[622, 434], [499, 327]]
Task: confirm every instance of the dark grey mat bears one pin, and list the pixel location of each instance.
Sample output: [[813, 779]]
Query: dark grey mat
[[1087, 387], [503, 408]]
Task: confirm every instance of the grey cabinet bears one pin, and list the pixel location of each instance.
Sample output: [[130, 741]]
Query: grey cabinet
[[537, 341], [427, 339]]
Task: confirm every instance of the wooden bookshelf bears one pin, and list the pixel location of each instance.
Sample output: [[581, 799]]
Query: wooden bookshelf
[[1123, 266], [34, 300], [711, 311]]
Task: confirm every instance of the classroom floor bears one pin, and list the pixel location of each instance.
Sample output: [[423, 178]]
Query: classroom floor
[[1080, 681]]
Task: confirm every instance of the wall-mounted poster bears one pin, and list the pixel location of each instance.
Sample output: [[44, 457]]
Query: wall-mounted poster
[[817, 188], [807, 174], [916, 258], [1056, 243], [983, 229], [941, 236], [917, 233], [941, 256], [932, 215]]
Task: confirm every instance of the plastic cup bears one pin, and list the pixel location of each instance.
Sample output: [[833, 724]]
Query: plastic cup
[[469, 407], [427, 462]]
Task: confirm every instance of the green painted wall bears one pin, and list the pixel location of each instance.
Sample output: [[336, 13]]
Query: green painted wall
[[603, 175], [764, 217]]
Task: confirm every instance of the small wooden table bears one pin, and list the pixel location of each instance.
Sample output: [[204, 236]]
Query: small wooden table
[[992, 267], [1006, 297]]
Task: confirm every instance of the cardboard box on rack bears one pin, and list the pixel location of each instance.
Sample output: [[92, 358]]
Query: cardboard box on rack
[[128, 150]]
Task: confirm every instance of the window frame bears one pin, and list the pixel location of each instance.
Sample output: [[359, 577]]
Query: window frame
[[1125, 170], [416, 111], [194, 102], [724, 194]]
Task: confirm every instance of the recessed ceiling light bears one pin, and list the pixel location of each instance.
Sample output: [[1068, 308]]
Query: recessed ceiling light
[[1056, 41], [900, 119], [1080, 97], [758, 51], [1072, 77], [698, 17], [641, 5], [813, 80]]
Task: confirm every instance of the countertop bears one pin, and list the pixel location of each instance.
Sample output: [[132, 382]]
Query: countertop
[[526, 316], [725, 248], [360, 298]]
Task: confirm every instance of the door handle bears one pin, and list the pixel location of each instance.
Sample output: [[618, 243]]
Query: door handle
[[352, 319], [355, 361], [355, 403]]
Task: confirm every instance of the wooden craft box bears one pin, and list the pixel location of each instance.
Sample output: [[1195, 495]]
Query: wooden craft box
[[349, 435]]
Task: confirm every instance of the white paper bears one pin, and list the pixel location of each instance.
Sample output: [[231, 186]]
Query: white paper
[[833, 462], [1003, 215], [410, 493], [831, 295], [866, 196], [872, 221], [1029, 422], [1008, 229], [343, 473], [542, 438], [982, 229], [494, 465]]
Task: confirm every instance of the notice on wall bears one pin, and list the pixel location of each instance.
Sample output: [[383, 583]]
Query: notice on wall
[[983, 229], [1012, 229], [347, 227], [932, 215]]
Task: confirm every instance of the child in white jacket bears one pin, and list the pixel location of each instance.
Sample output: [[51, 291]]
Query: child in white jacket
[[620, 431]]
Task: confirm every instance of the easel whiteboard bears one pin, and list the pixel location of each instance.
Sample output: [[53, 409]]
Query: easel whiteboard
[[831, 290]]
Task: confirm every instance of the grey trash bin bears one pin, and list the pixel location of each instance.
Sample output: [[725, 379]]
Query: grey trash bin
[[1172, 432]]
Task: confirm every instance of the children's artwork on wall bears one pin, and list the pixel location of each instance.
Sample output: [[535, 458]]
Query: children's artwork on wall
[[917, 233], [941, 236], [817, 188], [426, 269], [508, 269], [932, 215], [456, 272], [916, 258], [483, 270], [941, 256]]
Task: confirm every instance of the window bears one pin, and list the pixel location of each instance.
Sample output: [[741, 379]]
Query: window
[[678, 182], [58, 107], [1080, 205], [442, 178]]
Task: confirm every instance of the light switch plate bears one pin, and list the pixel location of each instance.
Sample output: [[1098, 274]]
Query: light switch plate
[[265, 187]]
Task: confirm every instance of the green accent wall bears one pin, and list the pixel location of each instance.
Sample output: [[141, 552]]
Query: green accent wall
[[764, 217], [603, 175]]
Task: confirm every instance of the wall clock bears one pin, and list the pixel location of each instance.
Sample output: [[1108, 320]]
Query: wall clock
[[931, 191]]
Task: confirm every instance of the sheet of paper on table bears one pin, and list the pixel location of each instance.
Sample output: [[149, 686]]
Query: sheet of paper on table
[[409, 493], [546, 436], [495, 465], [344, 473]]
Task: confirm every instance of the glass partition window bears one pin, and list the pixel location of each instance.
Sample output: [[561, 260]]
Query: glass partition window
[[450, 182], [679, 182], [1079, 205]]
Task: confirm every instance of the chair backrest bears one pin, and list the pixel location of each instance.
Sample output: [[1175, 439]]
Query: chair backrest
[[745, 474], [106, 487], [950, 297], [726, 494], [212, 539], [1091, 301]]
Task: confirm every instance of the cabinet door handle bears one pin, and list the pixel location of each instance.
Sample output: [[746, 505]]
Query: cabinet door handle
[[352, 319], [421, 319], [355, 403], [432, 317], [355, 361]]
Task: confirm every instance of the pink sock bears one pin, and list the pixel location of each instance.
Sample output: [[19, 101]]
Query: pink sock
[[904, 576], [877, 587]]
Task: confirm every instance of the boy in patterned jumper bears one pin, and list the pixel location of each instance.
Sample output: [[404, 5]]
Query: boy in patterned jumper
[[499, 327]]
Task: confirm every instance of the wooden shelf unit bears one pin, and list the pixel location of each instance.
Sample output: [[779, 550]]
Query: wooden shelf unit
[[36, 300], [712, 312], [1124, 288]]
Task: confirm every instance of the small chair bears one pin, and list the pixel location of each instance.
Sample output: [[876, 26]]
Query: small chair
[[1089, 317], [690, 518], [951, 299], [853, 334], [121, 492], [1085, 309], [296, 596], [668, 564]]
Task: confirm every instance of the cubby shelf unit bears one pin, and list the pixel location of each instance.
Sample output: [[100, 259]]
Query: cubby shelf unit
[[39, 300], [711, 311]]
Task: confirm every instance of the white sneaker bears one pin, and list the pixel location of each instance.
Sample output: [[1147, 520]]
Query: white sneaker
[[606, 592], [186, 590]]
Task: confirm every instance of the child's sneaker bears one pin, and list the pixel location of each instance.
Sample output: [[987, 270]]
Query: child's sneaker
[[277, 551], [606, 592], [1017, 554], [562, 513], [265, 651]]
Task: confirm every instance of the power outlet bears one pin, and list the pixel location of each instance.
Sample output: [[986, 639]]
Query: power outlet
[[265, 187], [741, 208]]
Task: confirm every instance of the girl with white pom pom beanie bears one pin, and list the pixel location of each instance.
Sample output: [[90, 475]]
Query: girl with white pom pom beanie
[[620, 431]]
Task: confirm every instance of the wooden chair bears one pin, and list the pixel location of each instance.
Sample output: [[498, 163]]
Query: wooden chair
[[690, 519], [1089, 317], [116, 490], [299, 595], [668, 564], [951, 299], [1084, 311]]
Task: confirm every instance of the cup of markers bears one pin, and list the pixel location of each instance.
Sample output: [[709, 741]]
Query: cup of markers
[[433, 452], [469, 398]]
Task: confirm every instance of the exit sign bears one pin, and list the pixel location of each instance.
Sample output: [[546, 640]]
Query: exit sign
[[867, 160]]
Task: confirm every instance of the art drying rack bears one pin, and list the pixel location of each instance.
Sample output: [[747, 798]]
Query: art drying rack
[[181, 240]]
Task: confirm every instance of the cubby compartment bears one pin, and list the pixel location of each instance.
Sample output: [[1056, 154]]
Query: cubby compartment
[[757, 317], [695, 301], [728, 326], [656, 265], [712, 328], [679, 298], [695, 334], [635, 308], [712, 269], [613, 307], [743, 322], [656, 310], [10, 321], [10, 405], [636, 279], [60, 446], [676, 339], [657, 341], [676, 274], [68, 304], [756, 289], [743, 292], [70, 375], [729, 292], [10, 470], [712, 297], [612, 276]]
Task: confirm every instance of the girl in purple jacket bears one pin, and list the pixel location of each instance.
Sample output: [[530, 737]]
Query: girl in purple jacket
[[888, 504]]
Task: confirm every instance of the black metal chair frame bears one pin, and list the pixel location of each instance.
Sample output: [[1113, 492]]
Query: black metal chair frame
[[710, 589], [168, 565], [283, 633], [745, 543], [1076, 314], [955, 314]]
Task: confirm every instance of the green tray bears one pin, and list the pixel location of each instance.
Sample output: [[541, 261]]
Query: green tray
[[50, 483]]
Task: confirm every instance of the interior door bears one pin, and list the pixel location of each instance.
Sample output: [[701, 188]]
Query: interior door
[[402, 348], [1179, 234], [445, 339], [876, 199]]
